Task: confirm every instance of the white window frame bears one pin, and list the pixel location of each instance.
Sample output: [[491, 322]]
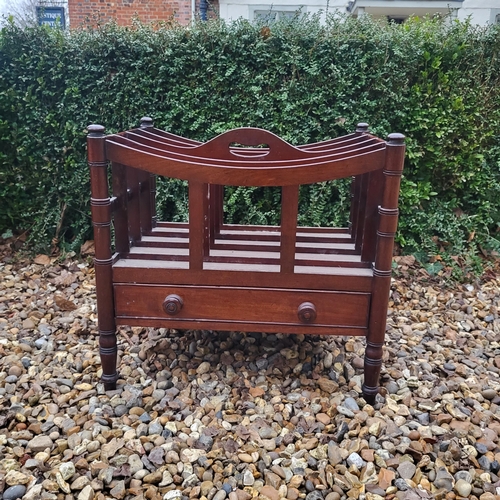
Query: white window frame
[[279, 10]]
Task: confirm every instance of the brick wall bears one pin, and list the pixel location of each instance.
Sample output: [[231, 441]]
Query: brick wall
[[85, 12]]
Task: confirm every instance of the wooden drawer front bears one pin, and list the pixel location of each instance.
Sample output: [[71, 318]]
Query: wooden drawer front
[[257, 305]]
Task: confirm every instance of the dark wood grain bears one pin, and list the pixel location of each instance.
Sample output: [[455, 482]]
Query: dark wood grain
[[120, 214], [247, 304], [101, 219], [211, 275]]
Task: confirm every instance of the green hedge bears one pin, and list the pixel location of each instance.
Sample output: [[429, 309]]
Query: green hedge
[[438, 82]]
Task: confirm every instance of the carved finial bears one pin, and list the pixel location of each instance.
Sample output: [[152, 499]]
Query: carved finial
[[362, 128], [95, 130], [396, 139], [146, 122]]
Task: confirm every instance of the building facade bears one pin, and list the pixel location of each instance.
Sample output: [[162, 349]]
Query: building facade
[[85, 12], [480, 11]]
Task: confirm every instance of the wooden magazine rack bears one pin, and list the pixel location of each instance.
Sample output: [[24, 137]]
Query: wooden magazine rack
[[211, 275]]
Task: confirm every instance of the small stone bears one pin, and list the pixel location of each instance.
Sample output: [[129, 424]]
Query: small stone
[[269, 492], [154, 478], [86, 494], [40, 443], [368, 455], [248, 478], [272, 479], [204, 367], [62, 483], [206, 487], [345, 411], [166, 479], [28, 324], [191, 455], [155, 428], [350, 404], [15, 371], [314, 495], [14, 492], [385, 478], [355, 459], [14, 477], [269, 444], [246, 458], [401, 484], [334, 495], [34, 493], [67, 470], [220, 495], [119, 491], [463, 488], [334, 453], [485, 463], [323, 418], [489, 394], [443, 479], [173, 495], [80, 482], [406, 470], [327, 385]]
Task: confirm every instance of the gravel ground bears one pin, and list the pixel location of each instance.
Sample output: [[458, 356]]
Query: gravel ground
[[213, 415]]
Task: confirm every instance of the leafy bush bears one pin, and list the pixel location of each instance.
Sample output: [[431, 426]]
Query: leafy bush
[[438, 82]]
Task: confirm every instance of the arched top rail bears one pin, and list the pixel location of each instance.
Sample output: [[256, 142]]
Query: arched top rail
[[246, 157]]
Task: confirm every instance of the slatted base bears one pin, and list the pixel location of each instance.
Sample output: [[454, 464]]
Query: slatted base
[[254, 248]]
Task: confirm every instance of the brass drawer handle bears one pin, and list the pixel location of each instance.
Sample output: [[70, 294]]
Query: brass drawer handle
[[172, 304], [307, 312]]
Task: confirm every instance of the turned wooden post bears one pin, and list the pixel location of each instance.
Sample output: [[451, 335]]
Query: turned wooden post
[[101, 219], [388, 221]]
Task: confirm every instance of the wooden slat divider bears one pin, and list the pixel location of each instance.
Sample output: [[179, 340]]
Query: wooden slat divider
[[289, 211], [198, 223], [134, 212], [120, 215], [375, 189], [145, 201]]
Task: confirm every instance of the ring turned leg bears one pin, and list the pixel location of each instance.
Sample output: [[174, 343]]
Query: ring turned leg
[[108, 352], [100, 204], [373, 365]]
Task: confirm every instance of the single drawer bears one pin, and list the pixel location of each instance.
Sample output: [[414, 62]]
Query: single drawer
[[260, 306]]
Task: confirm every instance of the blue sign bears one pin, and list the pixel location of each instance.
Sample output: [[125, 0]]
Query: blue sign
[[51, 16]]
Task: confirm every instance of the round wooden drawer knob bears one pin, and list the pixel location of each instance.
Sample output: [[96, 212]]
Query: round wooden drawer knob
[[307, 312], [172, 304]]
